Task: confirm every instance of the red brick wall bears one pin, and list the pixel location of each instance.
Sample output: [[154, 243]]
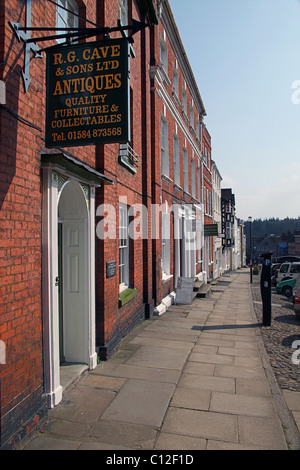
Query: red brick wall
[[20, 232], [113, 322], [22, 141]]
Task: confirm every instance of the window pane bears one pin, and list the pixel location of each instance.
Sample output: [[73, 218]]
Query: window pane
[[164, 148], [123, 246], [295, 268], [176, 161], [165, 247], [185, 170], [66, 19], [123, 12]]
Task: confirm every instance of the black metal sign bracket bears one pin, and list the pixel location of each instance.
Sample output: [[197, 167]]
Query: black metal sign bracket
[[30, 46], [23, 33]]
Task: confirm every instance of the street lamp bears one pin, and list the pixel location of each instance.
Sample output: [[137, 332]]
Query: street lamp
[[250, 228]]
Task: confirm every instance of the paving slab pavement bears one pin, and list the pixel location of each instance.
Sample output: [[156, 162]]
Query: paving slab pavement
[[195, 378]]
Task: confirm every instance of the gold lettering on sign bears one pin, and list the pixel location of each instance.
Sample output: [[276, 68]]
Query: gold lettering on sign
[[88, 93]]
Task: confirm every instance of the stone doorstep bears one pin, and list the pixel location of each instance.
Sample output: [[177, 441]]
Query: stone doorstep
[[70, 373]]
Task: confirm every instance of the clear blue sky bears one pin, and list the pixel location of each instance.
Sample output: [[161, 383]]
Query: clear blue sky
[[245, 55]]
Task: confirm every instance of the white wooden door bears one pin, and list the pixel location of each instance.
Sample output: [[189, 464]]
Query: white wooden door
[[75, 291]]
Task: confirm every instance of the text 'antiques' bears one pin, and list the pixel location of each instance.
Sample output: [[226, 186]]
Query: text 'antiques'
[[88, 94]]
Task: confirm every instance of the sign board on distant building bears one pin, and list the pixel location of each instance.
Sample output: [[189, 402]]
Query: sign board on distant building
[[88, 94], [211, 230]]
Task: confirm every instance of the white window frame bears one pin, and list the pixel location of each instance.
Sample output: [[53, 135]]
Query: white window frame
[[64, 19], [165, 244], [207, 201], [164, 146], [176, 82], [193, 177], [184, 101], [123, 247], [198, 128], [123, 13], [198, 182], [192, 117], [199, 246], [185, 170], [164, 56], [176, 160]]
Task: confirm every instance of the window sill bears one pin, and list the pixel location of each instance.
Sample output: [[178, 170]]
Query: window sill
[[166, 178], [125, 162], [178, 187], [175, 97], [166, 277], [126, 295], [185, 115], [165, 75]]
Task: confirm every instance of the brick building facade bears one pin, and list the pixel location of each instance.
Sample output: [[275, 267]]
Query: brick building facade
[[73, 280], [181, 172]]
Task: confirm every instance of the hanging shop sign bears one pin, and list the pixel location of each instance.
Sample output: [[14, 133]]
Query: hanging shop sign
[[210, 230], [88, 95]]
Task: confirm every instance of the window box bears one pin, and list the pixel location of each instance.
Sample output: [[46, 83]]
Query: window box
[[126, 295]]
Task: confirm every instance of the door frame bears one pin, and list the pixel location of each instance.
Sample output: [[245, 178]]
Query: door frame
[[53, 182]]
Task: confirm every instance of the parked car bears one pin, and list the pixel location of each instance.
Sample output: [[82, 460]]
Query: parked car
[[286, 287], [274, 270], [288, 258], [287, 271], [296, 288], [274, 267], [297, 301], [281, 272]]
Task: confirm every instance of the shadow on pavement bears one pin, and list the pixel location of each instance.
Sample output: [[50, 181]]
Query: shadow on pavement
[[226, 327]]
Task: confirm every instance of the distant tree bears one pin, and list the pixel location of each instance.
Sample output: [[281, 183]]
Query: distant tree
[[282, 230]]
